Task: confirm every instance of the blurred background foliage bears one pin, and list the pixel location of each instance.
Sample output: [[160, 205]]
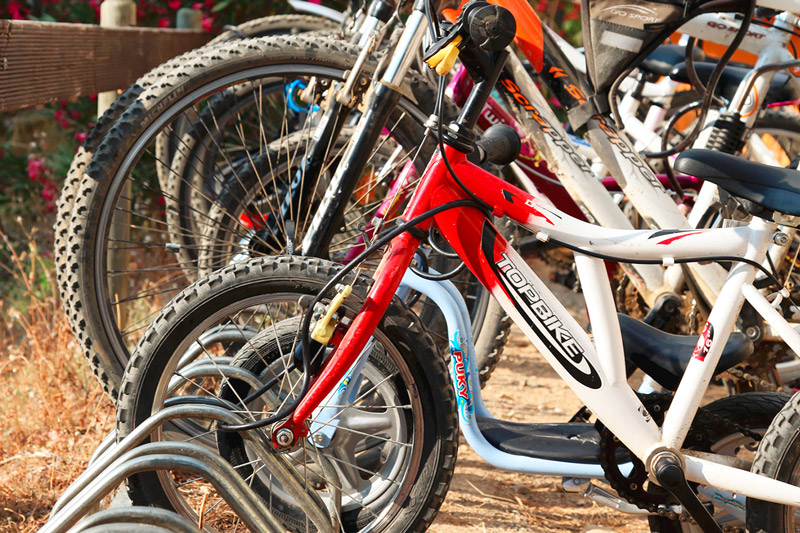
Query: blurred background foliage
[[37, 145]]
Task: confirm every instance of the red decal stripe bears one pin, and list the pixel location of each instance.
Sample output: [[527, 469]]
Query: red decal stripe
[[681, 236]]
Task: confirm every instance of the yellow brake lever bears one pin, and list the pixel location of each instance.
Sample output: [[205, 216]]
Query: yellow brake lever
[[325, 326], [444, 60]]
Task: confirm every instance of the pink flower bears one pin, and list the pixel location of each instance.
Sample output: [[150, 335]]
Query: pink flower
[[197, 5], [48, 194], [163, 22], [35, 168], [64, 124], [174, 4], [80, 136], [207, 23], [59, 114], [15, 8], [75, 115]]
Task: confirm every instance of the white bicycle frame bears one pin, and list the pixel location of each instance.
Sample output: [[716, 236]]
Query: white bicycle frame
[[610, 396], [639, 184]]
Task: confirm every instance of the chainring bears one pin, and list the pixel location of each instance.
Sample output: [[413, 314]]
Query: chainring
[[633, 487]]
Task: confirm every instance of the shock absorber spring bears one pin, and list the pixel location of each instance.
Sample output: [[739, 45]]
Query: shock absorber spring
[[728, 134]]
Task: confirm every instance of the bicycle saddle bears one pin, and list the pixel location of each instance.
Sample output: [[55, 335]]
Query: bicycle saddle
[[664, 59], [664, 356], [780, 90], [770, 188]]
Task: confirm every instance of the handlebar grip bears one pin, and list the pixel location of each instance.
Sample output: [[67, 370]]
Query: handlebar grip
[[491, 27], [500, 144]]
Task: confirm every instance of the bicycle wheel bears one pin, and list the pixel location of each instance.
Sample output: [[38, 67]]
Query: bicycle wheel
[[779, 131], [718, 429], [139, 243], [167, 144], [64, 244], [389, 453], [121, 190], [778, 457], [275, 25]]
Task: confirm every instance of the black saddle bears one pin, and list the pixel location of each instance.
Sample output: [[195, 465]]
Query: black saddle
[[664, 356], [780, 90], [664, 59], [769, 188]]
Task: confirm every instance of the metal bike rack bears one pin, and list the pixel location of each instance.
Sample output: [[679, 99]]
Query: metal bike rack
[[134, 518], [113, 463]]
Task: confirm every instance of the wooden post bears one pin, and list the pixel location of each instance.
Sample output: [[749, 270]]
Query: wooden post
[[189, 19], [114, 13], [118, 13]]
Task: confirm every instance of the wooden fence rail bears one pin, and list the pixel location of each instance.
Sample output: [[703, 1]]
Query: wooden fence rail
[[43, 61]]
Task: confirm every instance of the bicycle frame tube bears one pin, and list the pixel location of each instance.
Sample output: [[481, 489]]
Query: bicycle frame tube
[[594, 369], [574, 174]]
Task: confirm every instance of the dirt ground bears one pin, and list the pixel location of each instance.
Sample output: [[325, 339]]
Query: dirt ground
[[482, 498]]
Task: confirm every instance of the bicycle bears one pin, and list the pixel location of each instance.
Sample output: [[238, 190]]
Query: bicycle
[[457, 196]]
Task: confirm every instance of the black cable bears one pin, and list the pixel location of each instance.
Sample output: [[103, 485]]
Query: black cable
[[440, 108], [306, 324], [712, 85], [768, 24], [440, 277], [441, 251], [433, 22]]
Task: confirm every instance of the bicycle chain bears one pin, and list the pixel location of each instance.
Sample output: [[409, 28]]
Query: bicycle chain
[[737, 374], [631, 488]]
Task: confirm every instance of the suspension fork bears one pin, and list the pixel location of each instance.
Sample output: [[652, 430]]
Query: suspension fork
[[311, 166], [384, 100]]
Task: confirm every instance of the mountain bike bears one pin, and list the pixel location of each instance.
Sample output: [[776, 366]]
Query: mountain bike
[[101, 319]]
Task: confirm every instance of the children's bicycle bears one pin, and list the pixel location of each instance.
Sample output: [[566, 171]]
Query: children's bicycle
[[360, 403]]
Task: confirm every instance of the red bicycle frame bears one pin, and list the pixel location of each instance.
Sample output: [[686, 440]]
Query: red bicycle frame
[[462, 227]]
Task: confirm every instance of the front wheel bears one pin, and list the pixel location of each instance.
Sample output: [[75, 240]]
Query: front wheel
[[383, 454]]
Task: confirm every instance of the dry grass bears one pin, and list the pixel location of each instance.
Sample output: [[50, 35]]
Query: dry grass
[[52, 411]]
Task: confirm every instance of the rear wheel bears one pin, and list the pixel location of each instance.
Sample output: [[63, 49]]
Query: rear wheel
[[727, 426], [778, 458]]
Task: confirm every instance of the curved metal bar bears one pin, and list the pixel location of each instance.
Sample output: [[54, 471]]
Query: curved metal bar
[[334, 489], [753, 75], [105, 444], [227, 333], [126, 528], [133, 516], [184, 457], [289, 478], [208, 369]]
